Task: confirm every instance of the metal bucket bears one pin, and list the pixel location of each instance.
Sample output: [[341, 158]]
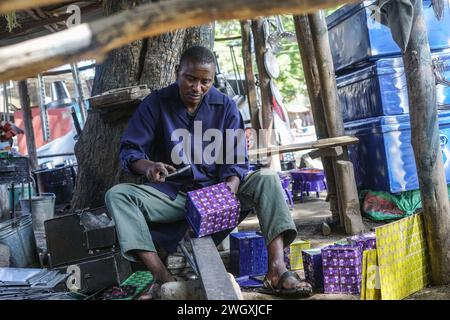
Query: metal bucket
[[22, 190], [43, 208], [18, 235]]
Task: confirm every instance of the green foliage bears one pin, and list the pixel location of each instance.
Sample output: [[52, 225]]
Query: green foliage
[[291, 80]]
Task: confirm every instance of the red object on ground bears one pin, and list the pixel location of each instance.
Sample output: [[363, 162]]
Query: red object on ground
[[59, 120]]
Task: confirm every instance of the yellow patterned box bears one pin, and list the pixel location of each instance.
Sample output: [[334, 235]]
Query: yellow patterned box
[[295, 255], [370, 283], [402, 257]]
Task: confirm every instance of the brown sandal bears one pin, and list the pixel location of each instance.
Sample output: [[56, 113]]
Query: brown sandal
[[303, 290]]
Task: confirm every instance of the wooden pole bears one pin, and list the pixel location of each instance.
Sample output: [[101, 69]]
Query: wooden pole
[[93, 40], [263, 77], [28, 123], [332, 110], [350, 201], [279, 7], [249, 75], [426, 144], [311, 72], [333, 119]]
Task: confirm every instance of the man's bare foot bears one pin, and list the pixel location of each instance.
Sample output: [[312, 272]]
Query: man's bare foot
[[159, 271], [153, 292]]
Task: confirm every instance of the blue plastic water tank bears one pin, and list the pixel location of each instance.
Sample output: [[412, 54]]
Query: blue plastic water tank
[[356, 35], [380, 88], [384, 159]]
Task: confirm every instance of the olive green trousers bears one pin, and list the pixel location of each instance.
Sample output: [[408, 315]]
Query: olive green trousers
[[134, 206]]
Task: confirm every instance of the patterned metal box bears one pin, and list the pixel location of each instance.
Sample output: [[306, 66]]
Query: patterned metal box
[[212, 209], [367, 241], [295, 254], [342, 268], [312, 263], [248, 254]]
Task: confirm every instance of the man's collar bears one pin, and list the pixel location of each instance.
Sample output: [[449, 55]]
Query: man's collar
[[213, 96]]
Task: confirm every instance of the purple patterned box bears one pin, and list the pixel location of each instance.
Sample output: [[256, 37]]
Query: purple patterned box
[[286, 253], [331, 280], [212, 209], [350, 271], [344, 280], [331, 288], [312, 264], [351, 288], [342, 262], [349, 262], [330, 262], [367, 240], [330, 271]]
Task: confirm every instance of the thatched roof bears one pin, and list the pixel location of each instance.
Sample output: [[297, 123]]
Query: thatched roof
[[33, 23]]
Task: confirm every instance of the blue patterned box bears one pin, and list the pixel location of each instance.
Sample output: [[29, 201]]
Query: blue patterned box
[[248, 254], [312, 264], [212, 209], [342, 268]]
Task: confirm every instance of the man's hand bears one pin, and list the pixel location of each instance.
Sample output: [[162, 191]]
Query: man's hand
[[233, 183], [157, 171]]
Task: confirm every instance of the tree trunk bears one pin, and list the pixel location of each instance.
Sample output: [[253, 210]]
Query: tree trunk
[[28, 123], [311, 71], [333, 114], [332, 109], [149, 61], [426, 144]]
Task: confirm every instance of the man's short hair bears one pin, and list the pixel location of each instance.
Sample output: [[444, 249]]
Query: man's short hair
[[198, 54]]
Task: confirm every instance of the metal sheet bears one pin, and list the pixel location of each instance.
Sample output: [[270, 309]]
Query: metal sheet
[[17, 275]]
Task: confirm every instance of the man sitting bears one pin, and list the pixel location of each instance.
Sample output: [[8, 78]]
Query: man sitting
[[148, 148]]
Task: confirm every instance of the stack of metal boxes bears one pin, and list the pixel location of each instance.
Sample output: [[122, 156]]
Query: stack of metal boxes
[[373, 93], [84, 245]]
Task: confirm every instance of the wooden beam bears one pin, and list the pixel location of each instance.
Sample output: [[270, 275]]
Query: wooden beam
[[351, 213], [94, 40], [17, 5], [28, 123], [311, 72], [249, 74], [329, 152], [215, 280], [319, 144], [426, 144]]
